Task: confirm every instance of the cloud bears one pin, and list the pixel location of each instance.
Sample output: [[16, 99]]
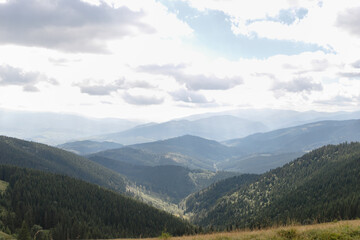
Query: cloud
[[188, 96], [167, 69], [29, 88], [192, 81], [99, 88], [11, 76], [300, 84], [319, 65], [316, 65], [339, 101], [349, 20], [139, 84], [61, 61], [269, 75], [350, 74], [356, 64], [141, 100], [69, 25]]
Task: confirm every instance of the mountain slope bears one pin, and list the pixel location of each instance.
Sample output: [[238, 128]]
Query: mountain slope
[[73, 209], [273, 149], [198, 203], [192, 151], [217, 128], [57, 128], [300, 138], [21, 153], [135, 156], [189, 151], [323, 185], [88, 147], [169, 182]]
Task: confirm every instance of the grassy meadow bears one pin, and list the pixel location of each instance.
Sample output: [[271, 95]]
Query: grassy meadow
[[342, 230]]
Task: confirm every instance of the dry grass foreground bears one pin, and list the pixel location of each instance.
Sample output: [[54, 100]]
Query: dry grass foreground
[[342, 230]]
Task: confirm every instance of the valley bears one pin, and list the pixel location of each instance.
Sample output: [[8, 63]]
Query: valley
[[301, 174], [179, 119]]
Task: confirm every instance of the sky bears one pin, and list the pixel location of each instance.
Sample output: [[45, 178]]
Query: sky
[[157, 60]]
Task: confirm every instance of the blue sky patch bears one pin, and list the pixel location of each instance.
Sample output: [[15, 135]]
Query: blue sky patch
[[213, 35]]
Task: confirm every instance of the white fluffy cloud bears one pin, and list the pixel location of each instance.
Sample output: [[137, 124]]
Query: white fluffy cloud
[[193, 81], [12, 76], [78, 26], [152, 67]]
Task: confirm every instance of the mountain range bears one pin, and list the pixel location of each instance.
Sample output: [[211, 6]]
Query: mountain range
[[275, 148], [57, 128], [256, 153], [88, 147], [323, 185], [218, 128]]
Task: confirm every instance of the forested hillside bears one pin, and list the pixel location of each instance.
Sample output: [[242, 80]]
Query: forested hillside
[[39, 156], [88, 147], [323, 185], [188, 151], [73, 209], [135, 156], [169, 182], [200, 202]]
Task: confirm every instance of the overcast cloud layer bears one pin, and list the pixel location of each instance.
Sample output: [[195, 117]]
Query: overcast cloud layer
[[158, 60], [69, 25]]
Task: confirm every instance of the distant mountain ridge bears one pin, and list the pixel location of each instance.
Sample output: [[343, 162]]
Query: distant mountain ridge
[[88, 147], [300, 138], [278, 119], [202, 153], [57, 128], [256, 153], [216, 128], [188, 151], [288, 143]]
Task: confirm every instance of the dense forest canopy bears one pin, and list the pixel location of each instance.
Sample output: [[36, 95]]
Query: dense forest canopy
[[321, 186], [71, 208]]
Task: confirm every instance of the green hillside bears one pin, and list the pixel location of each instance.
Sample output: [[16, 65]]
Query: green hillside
[[135, 156], [190, 151], [73, 209], [88, 147], [200, 202], [323, 185], [170, 182], [27, 154]]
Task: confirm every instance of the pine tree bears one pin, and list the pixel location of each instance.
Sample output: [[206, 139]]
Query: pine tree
[[24, 232]]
